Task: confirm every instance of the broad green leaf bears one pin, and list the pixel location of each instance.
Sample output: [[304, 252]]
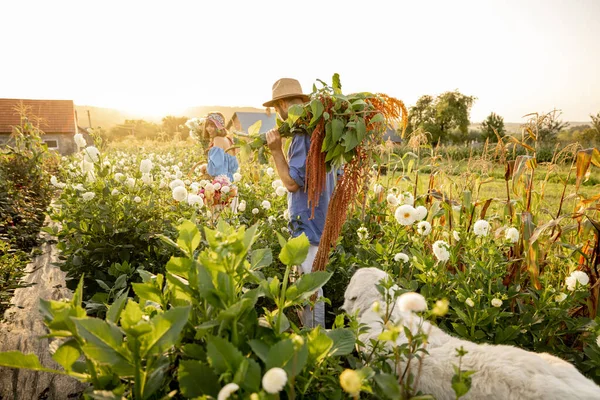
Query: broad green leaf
[[116, 308], [67, 354], [104, 344], [248, 375], [343, 342], [249, 236], [389, 386], [317, 110], [361, 130], [295, 251], [166, 331], [280, 353], [254, 129], [100, 333], [195, 351], [197, 379], [104, 395], [157, 376], [223, 355], [147, 291], [261, 258], [103, 355], [294, 112], [16, 359], [377, 119], [284, 355], [189, 236], [460, 386], [351, 139], [180, 266], [319, 344], [131, 315], [337, 129], [260, 348], [306, 286]]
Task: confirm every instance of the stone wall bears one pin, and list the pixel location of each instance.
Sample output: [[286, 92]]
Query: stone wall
[[24, 326]]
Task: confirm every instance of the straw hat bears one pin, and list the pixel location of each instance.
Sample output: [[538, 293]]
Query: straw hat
[[285, 88]]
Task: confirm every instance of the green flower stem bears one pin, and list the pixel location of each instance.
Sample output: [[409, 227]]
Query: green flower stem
[[282, 299]]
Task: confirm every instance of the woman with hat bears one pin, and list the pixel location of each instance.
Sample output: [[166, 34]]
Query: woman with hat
[[221, 153]]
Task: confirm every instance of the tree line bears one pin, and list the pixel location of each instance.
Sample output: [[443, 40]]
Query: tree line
[[444, 119]]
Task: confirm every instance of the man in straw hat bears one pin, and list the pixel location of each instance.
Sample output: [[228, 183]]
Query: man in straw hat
[[292, 172]]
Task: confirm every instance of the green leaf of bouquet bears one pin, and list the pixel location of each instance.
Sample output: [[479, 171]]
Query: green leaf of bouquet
[[254, 129], [197, 379], [166, 331], [317, 110], [337, 129], [336, 83], [351, 139], [294, 112], [377, 119], [295, 250]]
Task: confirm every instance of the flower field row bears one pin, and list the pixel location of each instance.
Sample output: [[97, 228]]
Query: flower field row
[[189, 275]]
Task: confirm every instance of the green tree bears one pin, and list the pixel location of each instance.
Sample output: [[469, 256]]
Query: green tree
[[492, 127], [173, 125], [596, 122], [549, 127], [447, 114], [138, 128]]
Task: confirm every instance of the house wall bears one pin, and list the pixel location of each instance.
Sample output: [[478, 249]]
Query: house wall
[[66, 143]]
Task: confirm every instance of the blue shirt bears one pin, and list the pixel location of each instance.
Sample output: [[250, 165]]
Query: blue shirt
[[298, 208], [221, 163]]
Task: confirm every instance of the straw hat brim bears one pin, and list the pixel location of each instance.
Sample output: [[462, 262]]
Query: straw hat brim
[[274, 100]]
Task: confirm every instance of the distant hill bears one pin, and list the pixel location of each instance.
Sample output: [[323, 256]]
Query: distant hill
[[109, 117], [515, 127], [228, 112], [104, 117]]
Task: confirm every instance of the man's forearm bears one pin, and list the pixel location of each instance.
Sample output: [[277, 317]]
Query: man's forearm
[[283, 170]]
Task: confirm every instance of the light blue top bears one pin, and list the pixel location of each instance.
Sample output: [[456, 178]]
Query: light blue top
[[298, 208], [221, 163]]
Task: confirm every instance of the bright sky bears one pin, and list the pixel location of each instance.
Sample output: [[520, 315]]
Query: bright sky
[[151, 57]]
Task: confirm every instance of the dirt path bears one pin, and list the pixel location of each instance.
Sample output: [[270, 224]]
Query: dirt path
[[23, 327]]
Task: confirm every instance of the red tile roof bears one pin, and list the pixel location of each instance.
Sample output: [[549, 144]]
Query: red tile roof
[[55, 116]]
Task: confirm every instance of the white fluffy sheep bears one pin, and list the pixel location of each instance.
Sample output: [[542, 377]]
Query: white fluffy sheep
[[503, 372]]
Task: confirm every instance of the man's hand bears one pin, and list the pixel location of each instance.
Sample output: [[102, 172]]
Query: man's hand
[[274, 140]]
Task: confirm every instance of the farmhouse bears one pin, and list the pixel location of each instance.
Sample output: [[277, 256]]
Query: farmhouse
[[56, 118], [241, 121]]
